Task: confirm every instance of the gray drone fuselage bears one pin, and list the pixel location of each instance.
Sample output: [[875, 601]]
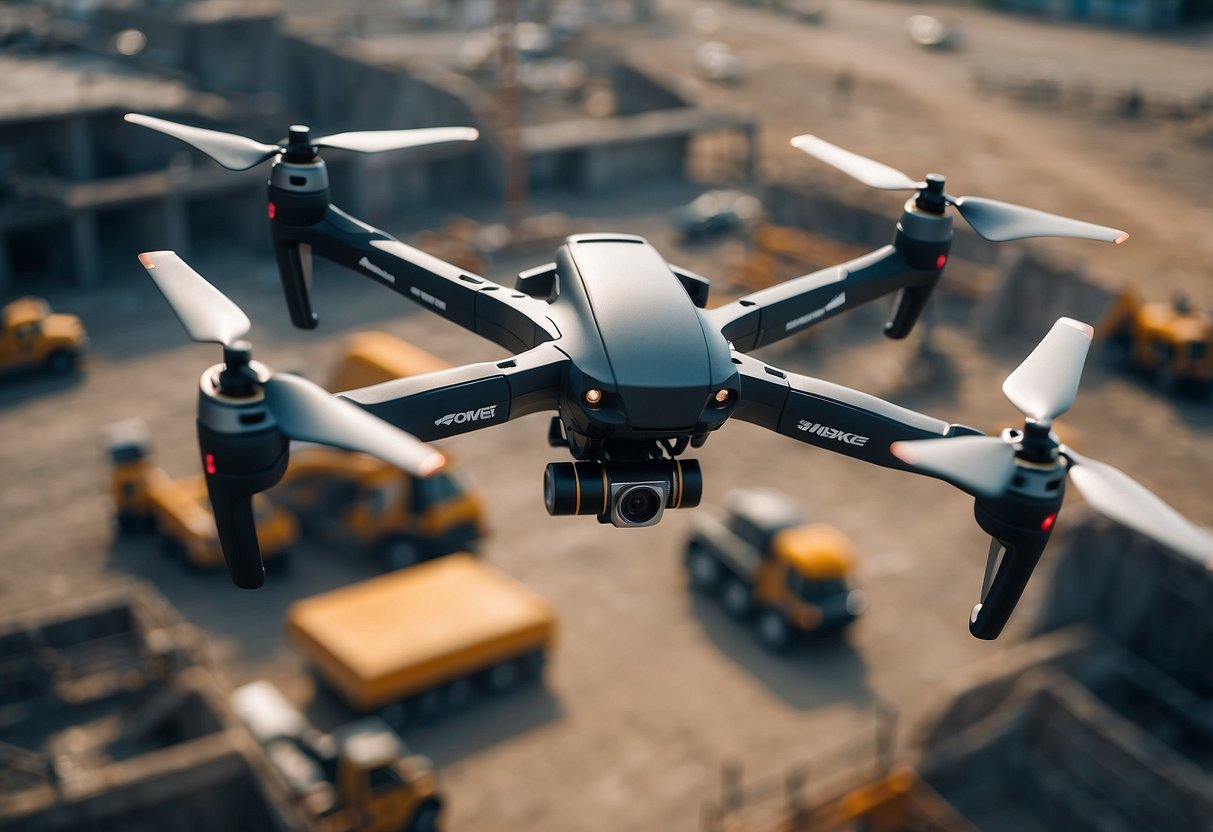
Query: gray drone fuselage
[[632, 331]]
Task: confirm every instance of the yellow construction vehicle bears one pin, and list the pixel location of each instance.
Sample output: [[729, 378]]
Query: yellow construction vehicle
[[145, 497], [346, 498], [367, 358], [359, 778], [766, 562], [31, 336], [422, 642], [1172, 342], [896, 801]]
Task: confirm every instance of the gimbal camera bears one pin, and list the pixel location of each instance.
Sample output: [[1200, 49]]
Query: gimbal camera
[[619, 344]]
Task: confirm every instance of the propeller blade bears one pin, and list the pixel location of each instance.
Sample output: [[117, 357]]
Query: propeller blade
[[1001, 221], [377, 141], [1044, 385], [869, 172], [309, 413], [231, 151], [206, 313], [1118, 496], [981, 465]]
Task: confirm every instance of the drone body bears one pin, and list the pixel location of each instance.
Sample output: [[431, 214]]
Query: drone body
[[620, 346]]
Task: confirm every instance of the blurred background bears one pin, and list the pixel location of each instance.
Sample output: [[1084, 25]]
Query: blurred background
[[121, 642]]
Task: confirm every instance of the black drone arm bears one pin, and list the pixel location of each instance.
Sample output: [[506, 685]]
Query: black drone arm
[[504, 316], [856, 424], [463, 399], [831, 416], [774, 313]]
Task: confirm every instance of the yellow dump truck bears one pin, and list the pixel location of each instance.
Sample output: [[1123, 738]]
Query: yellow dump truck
[[145, 497], [367, 358], [359, 778], [1172, 342], [346, 498], [766, 562], [31, 336], [419, 643]]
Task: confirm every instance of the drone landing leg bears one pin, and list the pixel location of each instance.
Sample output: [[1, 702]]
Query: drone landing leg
[[295, 272]]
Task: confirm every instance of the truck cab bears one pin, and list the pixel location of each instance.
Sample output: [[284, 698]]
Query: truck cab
[[32, 336], [766, 561], [342, 497], [359, 777], [1171, 341]]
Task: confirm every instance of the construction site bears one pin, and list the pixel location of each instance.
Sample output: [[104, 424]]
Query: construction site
[[612, 686]]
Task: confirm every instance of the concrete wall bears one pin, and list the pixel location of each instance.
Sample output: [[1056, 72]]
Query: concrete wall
[[234, 53], [1053, 755], [1036, 289], [643, 89], [1137, 13], [109, 188], [1154, 602]]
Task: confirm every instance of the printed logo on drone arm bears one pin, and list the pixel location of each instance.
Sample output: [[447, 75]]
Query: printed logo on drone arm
[[835, 302], [832, 433], [468, 416], [376, 270]]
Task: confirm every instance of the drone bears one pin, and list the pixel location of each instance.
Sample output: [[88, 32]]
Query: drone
[[621, 346]]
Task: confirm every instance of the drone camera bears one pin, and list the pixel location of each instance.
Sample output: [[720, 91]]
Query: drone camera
[[624, 494], [637, 504]]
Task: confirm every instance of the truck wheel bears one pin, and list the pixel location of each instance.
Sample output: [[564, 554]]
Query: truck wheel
[[395, 715], [170, 549], [773, 631], [174, 550], [425, 819], [133, 523], [399, 552], [501, 678], [1117, 352], [429, 706], [533, 663], [736, 598], [460, 694], [1166, 381], [60, 362], [704, 570]]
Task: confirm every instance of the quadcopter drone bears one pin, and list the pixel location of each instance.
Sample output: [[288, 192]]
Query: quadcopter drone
[[620, 345]]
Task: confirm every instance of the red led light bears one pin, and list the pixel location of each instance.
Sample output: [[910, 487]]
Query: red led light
[[940, 261], [209, 460], [272, 210], [1048, 522]]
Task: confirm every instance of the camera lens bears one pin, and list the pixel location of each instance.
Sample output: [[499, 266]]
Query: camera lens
[[639, 504]]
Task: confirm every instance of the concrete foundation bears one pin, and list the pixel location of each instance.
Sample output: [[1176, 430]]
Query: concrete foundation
[[112, 720], [118, 190]]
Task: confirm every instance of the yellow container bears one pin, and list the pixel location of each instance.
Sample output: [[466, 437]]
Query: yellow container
[[382, 640]]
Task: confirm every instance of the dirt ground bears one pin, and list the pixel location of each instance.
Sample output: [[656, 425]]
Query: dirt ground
[[650, 688]]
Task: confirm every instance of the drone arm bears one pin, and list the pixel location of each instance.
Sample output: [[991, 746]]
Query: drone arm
[[463, 399], [506, 317], [831, 416], [774, 313], [862, 426]]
